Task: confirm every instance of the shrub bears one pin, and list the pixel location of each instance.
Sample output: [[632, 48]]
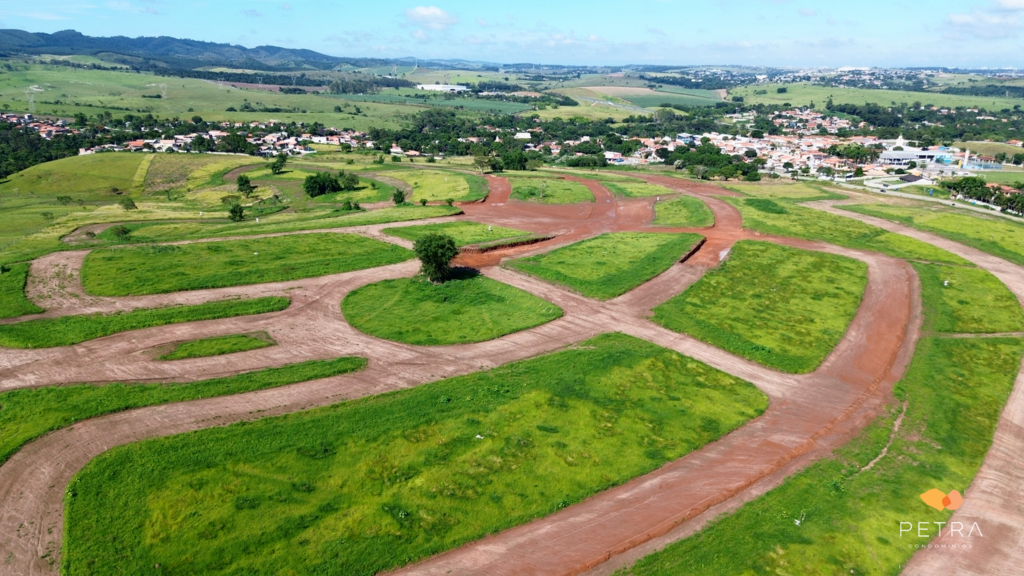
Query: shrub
[[398, 197], [128, 204], [122, 233], [423, 201], [236, 213]]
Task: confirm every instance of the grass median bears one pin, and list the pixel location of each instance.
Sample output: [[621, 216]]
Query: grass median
[[468, 308], [218, 346], [464, 233], [784, 218], [13, 302], [782, 307], [31, 412], [609, 265], [377, 483], [967, 301], [549, 191], [834, 518], [684, 212], [70, 330], [139, 270], [997, 236]]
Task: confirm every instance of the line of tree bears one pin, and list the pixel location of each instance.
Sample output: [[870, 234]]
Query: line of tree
[[22, 148], [975, 188]]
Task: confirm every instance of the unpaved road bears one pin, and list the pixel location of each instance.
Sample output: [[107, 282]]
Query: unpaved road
[[808, 415]]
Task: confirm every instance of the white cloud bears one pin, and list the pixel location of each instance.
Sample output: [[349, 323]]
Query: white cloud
[[1010, 4], [431, 17], [286, 7], [982, 24], [252, 13], [808, 12], [481, 21], [421, 36]]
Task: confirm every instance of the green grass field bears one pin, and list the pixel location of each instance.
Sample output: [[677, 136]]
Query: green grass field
[[609, 265], [437, 186], [89, 177], [787, 219], [287, 222], [463, 310], [96, 91], [70, 330], [994, 235], [636, 189], [804, 94], [974, 302], [989, 148], [13, 302], [464, 233], [782, 307], [684, 211], [184, 172], [31, 412], [368, 485], [135, 271], [549, 191], [800, 191], [218, 346], [954, 391], [1006, 177]]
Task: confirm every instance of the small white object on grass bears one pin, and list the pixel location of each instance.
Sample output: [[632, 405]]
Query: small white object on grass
[[255, 253], [946, 283], [257, 220], [479, 437]]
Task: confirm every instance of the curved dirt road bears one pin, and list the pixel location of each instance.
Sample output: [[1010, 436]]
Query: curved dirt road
[[994, 498], [808, 416]]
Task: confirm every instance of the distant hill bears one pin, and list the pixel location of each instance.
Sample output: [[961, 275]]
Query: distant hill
[[167, 52]]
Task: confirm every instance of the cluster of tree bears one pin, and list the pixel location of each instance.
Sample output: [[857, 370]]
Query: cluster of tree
[[707, 161], [987, 90], [975, 188], [702, 83], [855, 152], [22, 148], [871, 113], [326, 183], [364, 84]]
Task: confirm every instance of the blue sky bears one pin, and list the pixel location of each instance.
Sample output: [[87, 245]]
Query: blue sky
[[756, 32]]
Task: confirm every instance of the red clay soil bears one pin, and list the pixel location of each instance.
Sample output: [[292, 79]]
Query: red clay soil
[[808, 414]]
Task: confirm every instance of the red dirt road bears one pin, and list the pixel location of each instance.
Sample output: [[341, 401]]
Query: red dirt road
[[808, 415]]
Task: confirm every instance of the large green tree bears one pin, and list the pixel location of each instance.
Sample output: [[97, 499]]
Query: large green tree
[[436, 252]]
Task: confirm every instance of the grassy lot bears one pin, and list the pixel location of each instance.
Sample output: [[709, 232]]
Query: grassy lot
[[974, 302], [989, 148], [782, 307], [218, 346], [467, 309], [70, 330], [376, 483], [368, 191], [464, 233], [804, 94], [787, 219], [1007, 177], [142, 270], [86, 177], [287, 222], [31, 412], [549, 191], [954, 390], [800, 191], [609, 265], [96, 91], [996, 236], [437, 186], [636, 189], [183, 172], [13, 302], [684, 211]]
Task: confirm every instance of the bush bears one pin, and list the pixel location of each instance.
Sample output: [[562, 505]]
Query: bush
[[436, 252], [128, 204], [236, 213], [321, 183], [398, 197], [245, 186], [423, 201], [122, 233]]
